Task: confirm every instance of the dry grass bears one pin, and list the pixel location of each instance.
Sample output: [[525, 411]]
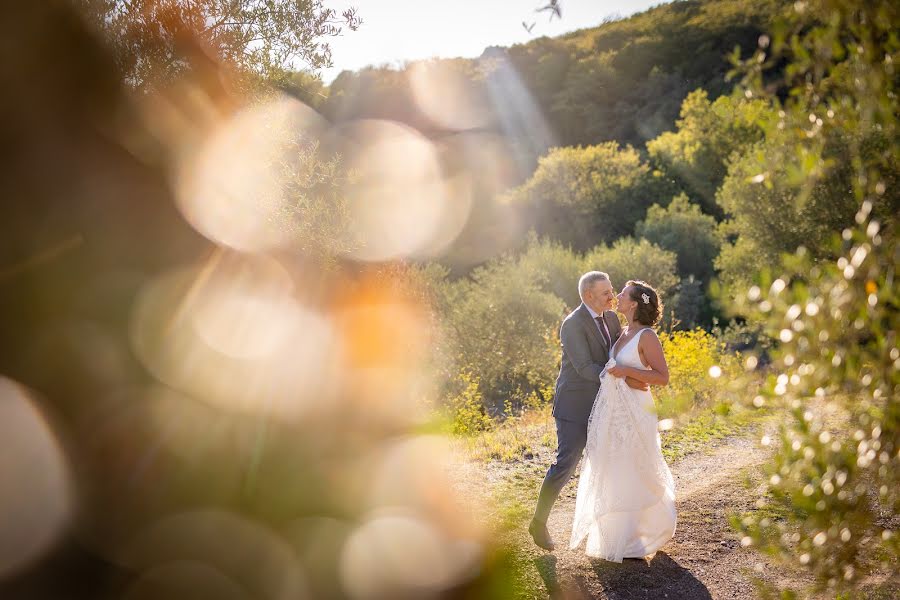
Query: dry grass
[[516, 439]]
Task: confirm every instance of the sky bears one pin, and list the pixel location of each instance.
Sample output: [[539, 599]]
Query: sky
[[395, 31]]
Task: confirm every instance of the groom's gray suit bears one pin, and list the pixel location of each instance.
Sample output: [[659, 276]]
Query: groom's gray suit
[[584, 354]]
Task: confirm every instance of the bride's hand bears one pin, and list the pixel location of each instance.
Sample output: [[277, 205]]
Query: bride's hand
[[636, 384], [616, 371]]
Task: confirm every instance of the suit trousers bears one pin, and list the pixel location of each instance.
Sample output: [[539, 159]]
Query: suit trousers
[[571, 437]]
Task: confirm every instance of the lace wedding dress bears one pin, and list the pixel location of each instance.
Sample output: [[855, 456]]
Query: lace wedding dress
[[626, 495]]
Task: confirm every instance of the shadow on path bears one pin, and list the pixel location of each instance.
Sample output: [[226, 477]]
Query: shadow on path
[[660, 578], [546, 566]]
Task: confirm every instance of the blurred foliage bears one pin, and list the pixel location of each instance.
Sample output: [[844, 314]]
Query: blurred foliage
[[836, 481], [307, 87], [170, 492], [834, 478], [778, 197]]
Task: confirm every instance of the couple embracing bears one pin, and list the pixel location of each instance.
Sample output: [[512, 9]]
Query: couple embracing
[[603, 408]]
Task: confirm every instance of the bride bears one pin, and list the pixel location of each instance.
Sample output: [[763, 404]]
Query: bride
[[626, 495]]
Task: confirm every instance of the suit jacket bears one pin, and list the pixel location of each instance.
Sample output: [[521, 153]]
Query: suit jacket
[[584, 354]]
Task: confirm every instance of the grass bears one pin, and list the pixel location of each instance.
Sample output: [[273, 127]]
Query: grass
[[517, 439], [695, 433], [525, 437]]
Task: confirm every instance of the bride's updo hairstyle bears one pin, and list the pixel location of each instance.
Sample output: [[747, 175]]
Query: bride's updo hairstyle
[[649, 306]]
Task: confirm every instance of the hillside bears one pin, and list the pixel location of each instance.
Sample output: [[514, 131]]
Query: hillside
[[493, 117], [623, 80]]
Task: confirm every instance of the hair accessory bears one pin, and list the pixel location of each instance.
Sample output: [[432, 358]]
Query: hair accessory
[[645, 298]]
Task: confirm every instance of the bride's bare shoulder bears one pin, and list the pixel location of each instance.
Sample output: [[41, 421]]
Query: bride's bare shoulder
[[649, 339]]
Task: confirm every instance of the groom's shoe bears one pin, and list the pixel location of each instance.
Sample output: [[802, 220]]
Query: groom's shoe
[[540, 535]]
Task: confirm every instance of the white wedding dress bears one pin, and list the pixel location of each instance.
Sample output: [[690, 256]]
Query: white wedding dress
[[626, 495]]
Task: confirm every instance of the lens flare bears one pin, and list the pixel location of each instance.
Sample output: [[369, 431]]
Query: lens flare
[[521, 119], [447, 97], [399, 203], [232, 333], [245, 310], [198, 433], [413, 471], [485, 164], [235, 189], [385, 342], [185, 580], [35, 493], [382, 333], [239, 549], [397, 553]]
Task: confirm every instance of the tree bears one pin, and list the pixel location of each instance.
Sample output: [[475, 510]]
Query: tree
[[157, 39], [775, 205], [308, 88], [708, 135], [683, 229], [687, 305], [837, 485], [556, 268], [583, 105], [739, 260], [585, 196], [635, 259], [502, 326]]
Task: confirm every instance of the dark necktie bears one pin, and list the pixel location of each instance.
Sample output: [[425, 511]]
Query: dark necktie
[[603, 331]]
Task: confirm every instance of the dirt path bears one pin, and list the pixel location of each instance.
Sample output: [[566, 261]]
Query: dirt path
[[704, 560]]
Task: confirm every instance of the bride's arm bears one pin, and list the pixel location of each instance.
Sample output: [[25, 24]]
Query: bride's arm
[[651, 353]]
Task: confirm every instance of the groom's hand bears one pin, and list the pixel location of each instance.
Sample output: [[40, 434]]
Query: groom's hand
[[638, 385]]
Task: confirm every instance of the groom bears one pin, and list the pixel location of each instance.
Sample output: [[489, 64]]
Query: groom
[[587, 335]]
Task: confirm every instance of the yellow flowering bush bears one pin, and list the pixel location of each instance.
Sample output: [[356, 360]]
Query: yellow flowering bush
[[467, 411], [698, 367]]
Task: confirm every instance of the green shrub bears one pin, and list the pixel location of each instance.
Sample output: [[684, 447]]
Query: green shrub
[[467, 411], [708, 135], [556, 267], [628, 259], [683, 229], [687, 307], [501, 326]]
